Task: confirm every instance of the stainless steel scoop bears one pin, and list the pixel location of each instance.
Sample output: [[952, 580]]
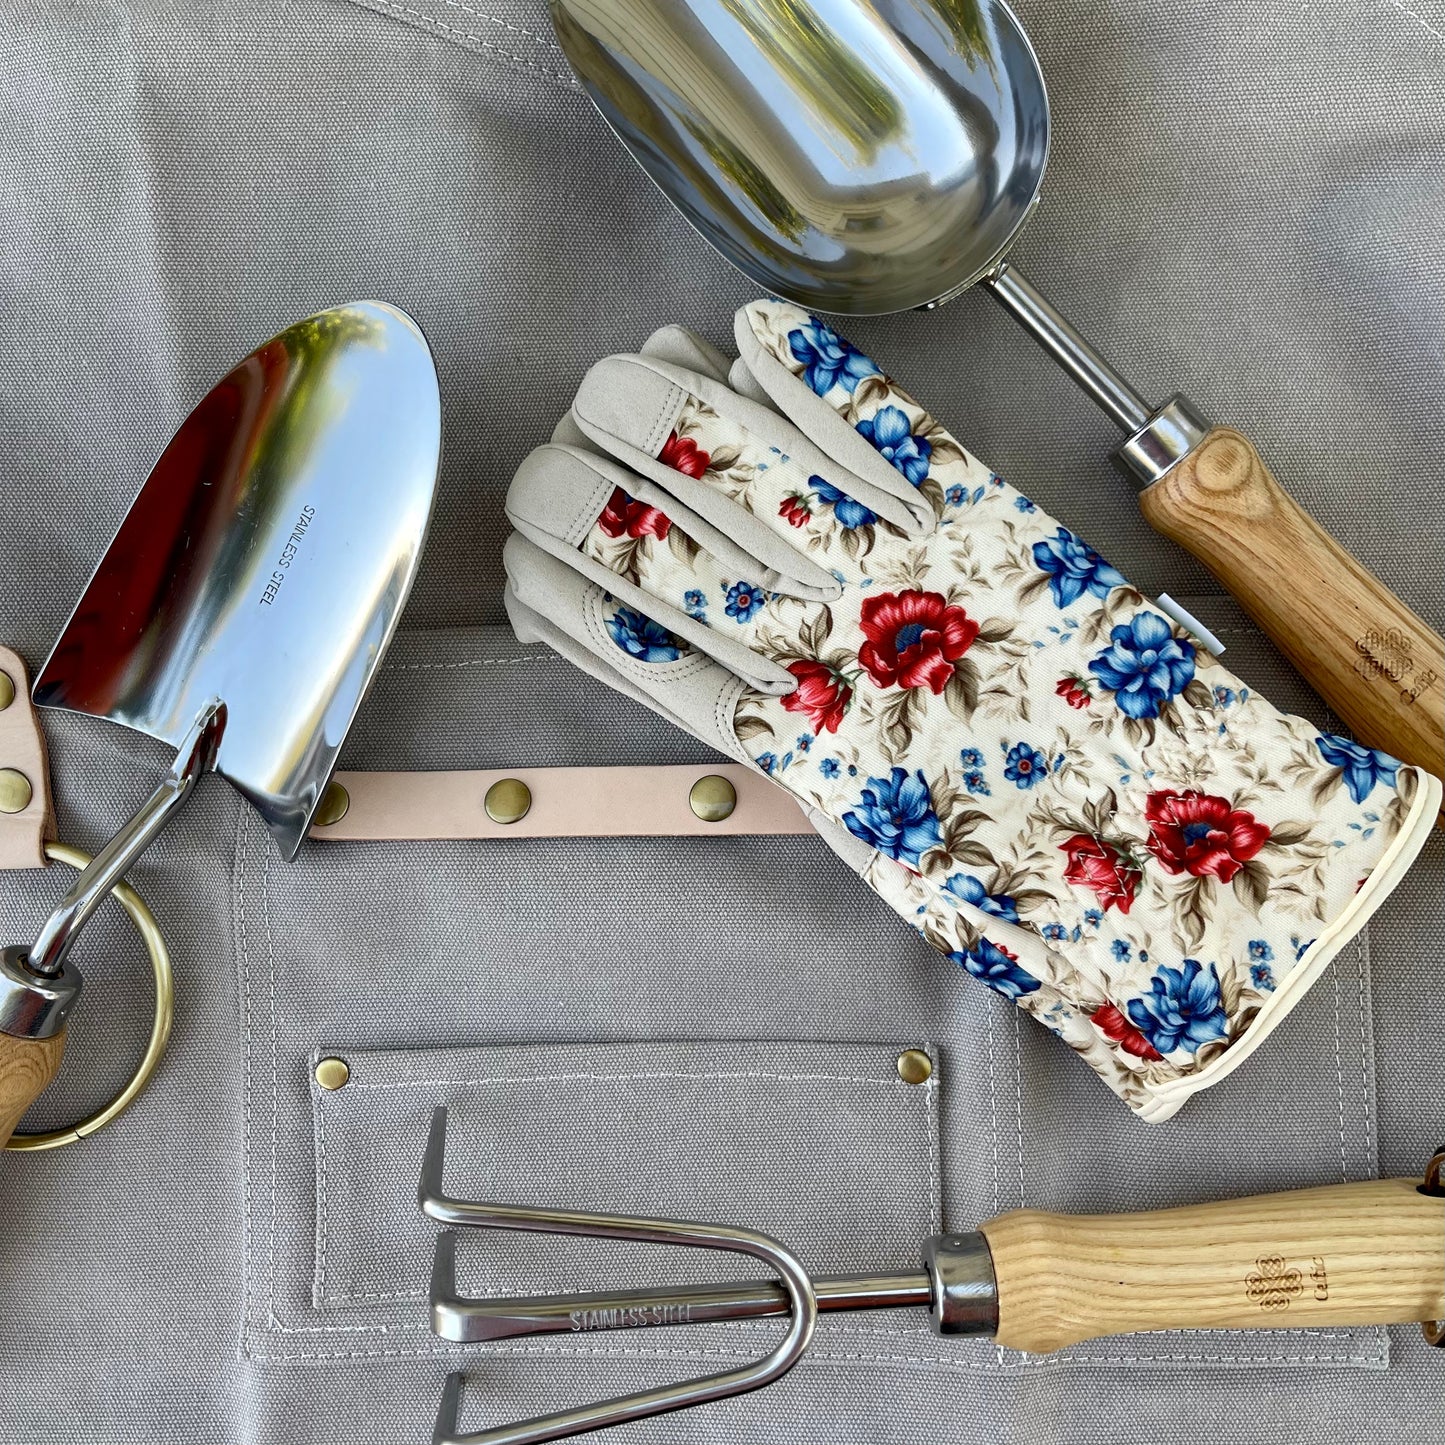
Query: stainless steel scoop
[[244, 604], [868, 156]]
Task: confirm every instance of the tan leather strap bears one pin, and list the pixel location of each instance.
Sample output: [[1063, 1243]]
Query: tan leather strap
[[566, 803], [26, 820]]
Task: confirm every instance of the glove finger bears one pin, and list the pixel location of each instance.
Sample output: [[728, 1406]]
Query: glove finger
[[660, 419], [607, 525], [836, 395], [548, 601], [681, 347]]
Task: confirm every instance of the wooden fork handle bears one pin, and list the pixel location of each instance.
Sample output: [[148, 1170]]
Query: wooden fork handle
[[1344, 1254]]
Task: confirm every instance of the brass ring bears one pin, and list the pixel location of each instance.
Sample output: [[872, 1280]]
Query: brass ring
[[155, 946]]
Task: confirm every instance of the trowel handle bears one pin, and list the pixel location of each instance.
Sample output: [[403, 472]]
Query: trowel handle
[[1368, 655], [1345, 1254], [26, 1069]]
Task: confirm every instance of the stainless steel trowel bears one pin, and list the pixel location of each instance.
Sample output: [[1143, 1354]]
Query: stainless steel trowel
[[242, 609], [867, 156]]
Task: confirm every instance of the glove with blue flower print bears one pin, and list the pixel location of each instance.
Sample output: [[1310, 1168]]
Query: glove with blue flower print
[[787, 556]]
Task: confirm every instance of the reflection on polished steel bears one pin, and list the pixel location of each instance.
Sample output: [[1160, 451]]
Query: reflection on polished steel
[[245, 602], [855, 156]]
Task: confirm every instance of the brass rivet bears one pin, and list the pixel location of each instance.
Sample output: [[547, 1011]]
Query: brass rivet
[[713, 798], [508, 800], [333, 1074], [914, 1066], [333, 807], [15, 791], [7, 691]]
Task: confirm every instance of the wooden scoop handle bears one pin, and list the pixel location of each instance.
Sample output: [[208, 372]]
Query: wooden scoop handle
[[26, 1069], [1367, 654], [1345, 1254]]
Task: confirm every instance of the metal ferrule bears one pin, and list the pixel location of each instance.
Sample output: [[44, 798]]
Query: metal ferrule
[[1169, 435], [32, 1005], [964, 1291]]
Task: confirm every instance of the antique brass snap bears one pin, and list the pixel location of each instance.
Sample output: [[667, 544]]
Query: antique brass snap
[[713, 798], [332, 808], [914, 1066], [7, 691], [508, 800], [15, 790], [332, 1074]]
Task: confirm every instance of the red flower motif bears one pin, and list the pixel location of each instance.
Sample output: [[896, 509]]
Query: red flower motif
[[622, 515], [794, 511], [1074, 691], [821, 694], [1112, 1022], [683, 454], [914, 639], [1096, 864], [1192, 832]]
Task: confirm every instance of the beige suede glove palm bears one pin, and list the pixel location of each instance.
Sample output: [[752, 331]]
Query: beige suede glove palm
[[1025, 757]]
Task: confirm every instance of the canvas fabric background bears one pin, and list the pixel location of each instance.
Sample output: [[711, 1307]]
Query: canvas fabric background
[[1244, 202]]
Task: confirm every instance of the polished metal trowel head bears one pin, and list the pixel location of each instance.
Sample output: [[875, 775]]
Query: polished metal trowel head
[[260, 571], [854, 156]]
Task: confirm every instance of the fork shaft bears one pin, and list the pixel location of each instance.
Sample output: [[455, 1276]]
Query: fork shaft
[[471, 1321]]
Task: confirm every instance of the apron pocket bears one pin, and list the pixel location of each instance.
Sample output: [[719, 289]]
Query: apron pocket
[[726, 1132]]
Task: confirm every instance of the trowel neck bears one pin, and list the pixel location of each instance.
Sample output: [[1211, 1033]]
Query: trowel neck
[[196, 755]]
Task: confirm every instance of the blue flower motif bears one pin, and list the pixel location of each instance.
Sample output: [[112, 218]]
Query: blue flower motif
[[693, 598], [850, 514], [954, 495], [971, 890], [1182, 1009], [1024, 766], [827, 359], [1074, 568], [1301, 946], [1261, 951], [641, 637], [1224, 697], [991, 964], [767, 761], [971, 758], [1024, 505], [805, 741], [744, 601], [895, 815], [829, 767], [1262, 977], [1145, 666], [1054, 932], [1363, 767], [975, 784], [889, 432], [1093, 917], [1120, 949]]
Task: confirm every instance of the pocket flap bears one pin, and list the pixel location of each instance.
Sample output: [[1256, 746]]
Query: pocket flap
[[734, 1133]]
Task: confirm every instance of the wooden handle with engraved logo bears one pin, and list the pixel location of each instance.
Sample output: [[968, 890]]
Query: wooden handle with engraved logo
[[1367, 654], [1344, 1254]]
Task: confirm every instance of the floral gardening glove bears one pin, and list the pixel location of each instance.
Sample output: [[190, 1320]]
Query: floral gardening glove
[[1021, 753]]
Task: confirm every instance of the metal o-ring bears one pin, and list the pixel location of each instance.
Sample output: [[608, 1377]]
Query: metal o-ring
[[150, 934]]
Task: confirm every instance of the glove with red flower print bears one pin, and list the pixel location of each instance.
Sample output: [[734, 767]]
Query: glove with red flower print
[[1024, 756]]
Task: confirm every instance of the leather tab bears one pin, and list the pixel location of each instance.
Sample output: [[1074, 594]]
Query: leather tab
[[566, 803], [23, 764]]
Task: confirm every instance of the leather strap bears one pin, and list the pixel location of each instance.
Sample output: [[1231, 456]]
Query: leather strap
[[23, 770], [566, 803]]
